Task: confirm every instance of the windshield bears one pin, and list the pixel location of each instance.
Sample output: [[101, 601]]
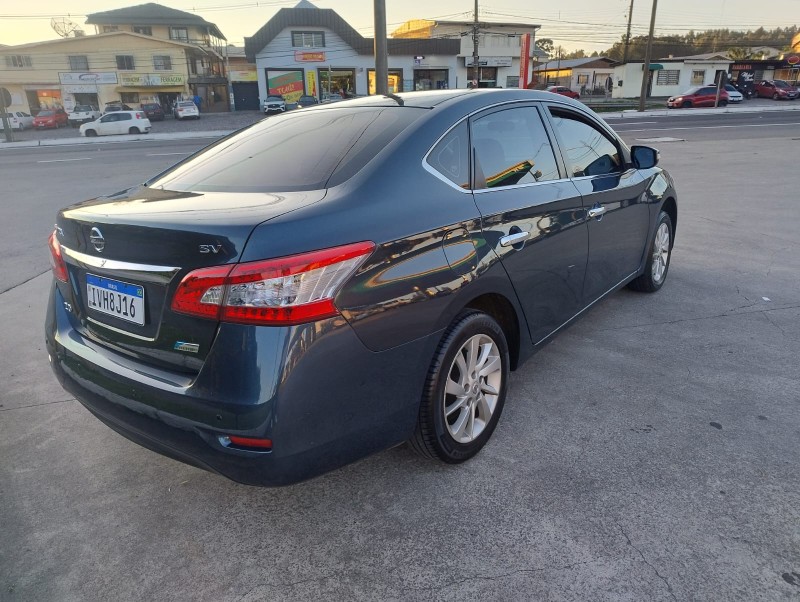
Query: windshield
[[296, 151], [46, 113], [781, 84], [274, 98], [82, 108]]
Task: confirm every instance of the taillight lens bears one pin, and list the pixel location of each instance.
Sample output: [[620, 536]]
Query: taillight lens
[[287, 290], [57, 259], [138, 115]]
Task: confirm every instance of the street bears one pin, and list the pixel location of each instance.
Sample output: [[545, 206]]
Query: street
[[650, 452]]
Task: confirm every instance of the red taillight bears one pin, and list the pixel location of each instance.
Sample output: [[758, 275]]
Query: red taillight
[[287, 290], [56, 259], [247, 442], [138, 115]]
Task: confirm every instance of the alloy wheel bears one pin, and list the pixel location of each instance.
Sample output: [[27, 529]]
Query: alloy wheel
[[660, 252], [473, 387]]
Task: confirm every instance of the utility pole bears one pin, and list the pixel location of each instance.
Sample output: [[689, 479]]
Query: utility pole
[[628, 35], [475, 58], [647, 54], [381, 55]]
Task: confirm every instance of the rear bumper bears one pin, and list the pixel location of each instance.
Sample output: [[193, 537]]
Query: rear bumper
[[323, 398]]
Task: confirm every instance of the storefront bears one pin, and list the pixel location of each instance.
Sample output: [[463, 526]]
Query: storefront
[[85, 88], [244, 83], [487, 70], [337, 81], [137, 89], [395, 81], [431, 79], [41, 99]]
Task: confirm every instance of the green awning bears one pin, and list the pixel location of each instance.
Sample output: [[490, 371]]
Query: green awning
[[654, 67]]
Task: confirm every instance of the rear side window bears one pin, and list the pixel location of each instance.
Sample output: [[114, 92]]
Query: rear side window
[[306, 150], [451, 156], [587, 150], [512, 147]]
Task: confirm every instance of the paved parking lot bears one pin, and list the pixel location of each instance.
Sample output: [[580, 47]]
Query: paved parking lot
[[649, 453]]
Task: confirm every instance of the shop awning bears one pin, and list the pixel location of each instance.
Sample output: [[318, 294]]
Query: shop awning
[[654, 67]]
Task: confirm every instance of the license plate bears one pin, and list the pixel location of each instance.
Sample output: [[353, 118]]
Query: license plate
[[114, 298]]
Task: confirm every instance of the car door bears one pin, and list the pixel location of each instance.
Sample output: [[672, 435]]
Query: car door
[[532, 216], [107, 124], [123, 123], [613, 193]]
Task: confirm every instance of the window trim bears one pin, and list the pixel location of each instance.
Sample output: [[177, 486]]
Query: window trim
[[302, 32], [178, 39]]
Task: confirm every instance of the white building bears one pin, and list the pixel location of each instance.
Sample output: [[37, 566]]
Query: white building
[[313, 51], [499, 48], [670, 76]]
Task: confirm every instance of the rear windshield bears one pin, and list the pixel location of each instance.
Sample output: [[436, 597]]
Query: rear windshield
[[307, 150], [186, 103], [781, 84], [46, 113]]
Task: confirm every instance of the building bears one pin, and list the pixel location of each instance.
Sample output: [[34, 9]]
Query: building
[[498, 48], [243, 77], [309, 50], [206, 71], [97, 69], [589, 75], [670, 76]]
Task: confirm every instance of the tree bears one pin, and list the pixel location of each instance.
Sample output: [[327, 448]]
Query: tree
[[545, 45]]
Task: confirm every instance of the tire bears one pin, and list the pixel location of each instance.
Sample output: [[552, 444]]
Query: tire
[[658, 257], [687, 104], [90, 133], [473, 343], [134, 131], [723, 103]]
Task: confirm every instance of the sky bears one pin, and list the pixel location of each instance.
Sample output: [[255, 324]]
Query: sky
[[573, 24]]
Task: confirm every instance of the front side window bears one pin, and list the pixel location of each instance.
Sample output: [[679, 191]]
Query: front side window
[[78, 63], [109, 118], [178, 33], [125, 62], [451, 156], [587, 150], [162, 63], [308, 39], [512, 147]]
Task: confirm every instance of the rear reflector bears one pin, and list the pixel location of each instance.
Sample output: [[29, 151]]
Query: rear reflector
[[56, 259], [288, 290], [245, 442]]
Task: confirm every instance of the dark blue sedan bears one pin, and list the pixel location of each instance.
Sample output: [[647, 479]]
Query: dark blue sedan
[[342, 279]]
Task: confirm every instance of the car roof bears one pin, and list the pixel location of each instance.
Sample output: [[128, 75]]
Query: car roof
[[433, 98]]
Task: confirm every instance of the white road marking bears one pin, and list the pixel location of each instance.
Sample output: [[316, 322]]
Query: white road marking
[[630, 122], [661, 139], [65, 160], [715, 127], [165, 154]]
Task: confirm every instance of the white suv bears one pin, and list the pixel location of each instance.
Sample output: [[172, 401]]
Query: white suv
[[186, 109], [118, 122], [82, 114]]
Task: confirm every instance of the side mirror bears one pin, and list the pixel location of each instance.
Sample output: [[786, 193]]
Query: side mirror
[[644, 157]]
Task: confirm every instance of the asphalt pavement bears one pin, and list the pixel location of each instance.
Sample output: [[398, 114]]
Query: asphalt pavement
[[650, 452]]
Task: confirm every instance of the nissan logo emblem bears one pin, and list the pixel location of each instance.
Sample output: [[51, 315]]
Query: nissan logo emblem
[[97, 240]]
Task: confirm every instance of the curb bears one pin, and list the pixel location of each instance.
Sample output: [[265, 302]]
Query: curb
[[115, 139], [632, 113]]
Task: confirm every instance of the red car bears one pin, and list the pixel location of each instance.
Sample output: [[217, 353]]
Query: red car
[[50, 118], [699, 96], [563, 91], [776, 89]]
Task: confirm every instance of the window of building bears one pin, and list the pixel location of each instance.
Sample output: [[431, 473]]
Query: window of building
[[308, 39], [125, 62], [162, 63], [178, 33], [110, 28], [587, 150], [668, 77], [78, 63], [451, 156], [512, 81], [19, 61], [395, 81], [512, 148], [698, 78], [129, 98], [142, 29], [583, 79]]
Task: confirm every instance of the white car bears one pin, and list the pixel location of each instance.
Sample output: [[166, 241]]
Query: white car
[[18, 120], [118, 122], [274, 104], [733, 94], [186, 109], [83, 114]]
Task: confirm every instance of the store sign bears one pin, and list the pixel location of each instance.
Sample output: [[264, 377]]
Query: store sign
[[793, 59], [490, 61], [309, 57], [311, 83], [288, 84], [247, 75], [100, 77], [84, 89], [151, 79]]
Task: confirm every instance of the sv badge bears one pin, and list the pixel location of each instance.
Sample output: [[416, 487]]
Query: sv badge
[[210, 248]]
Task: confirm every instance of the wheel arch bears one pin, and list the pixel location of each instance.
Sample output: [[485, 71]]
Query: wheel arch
[[670, 207], [502, 310]]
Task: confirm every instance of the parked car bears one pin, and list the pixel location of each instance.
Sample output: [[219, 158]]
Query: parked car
[[18, 120], [307, 101], [117, 122], [335, 97], [153, 111], [734, 96], [115, 105], [274, 104], [564, 91], [270, 318], [776, 89], [185, 109], [83, 114], [698, 96], [50, 118]]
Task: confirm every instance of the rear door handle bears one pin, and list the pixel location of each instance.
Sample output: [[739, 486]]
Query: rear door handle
[[514, 239], [595, 212]]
